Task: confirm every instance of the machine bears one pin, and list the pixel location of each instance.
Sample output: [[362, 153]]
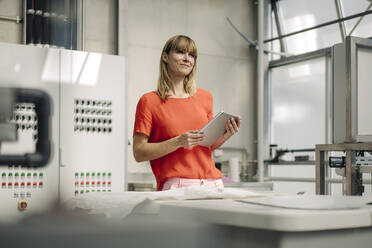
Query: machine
[[83, 96]]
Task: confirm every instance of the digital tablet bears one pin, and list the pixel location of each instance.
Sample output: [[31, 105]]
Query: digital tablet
[[215, 128]]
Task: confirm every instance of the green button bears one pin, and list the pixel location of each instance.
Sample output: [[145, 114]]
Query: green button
[[16, 174], [88, 174], [35, 174], [98, 174], [41, 174], [104, 174], [10, 174], [23, 174], [82, 174], [29, 174], [87, 191], [93, 174], [3, 175], [109, 174], [81, 191], [76, 174]]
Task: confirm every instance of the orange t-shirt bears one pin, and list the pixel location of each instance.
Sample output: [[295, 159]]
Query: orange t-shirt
[[161, 120]]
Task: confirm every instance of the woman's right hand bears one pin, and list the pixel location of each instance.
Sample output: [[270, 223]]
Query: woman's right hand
[[190, 139]]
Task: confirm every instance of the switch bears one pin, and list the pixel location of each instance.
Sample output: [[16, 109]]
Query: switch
[[28, 194], [109, 190]]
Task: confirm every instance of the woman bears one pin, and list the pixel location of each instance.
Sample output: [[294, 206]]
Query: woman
[[166, 123]]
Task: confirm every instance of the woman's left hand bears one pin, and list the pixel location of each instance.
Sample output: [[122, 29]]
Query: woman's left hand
[[232, 127]]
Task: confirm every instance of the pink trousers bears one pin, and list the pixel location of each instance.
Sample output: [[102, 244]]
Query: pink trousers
[[176, 183]]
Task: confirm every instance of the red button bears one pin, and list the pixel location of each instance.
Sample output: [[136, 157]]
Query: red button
[[77, 182], [109, 182], [88, 183], [41, 183], [82, 183], [16, 184], [3, 184], [93, 183], [23, 184], [28, 183], [35, 184], [98, 182], [10, 184], [104, 182]]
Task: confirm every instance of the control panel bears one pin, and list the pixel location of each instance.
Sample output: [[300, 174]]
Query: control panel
[[96, 181]]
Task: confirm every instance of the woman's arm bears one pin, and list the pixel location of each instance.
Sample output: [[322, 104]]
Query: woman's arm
[[232, 127], [144, 150]]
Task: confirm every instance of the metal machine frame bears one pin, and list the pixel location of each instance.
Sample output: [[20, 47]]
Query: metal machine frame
[[349, 149]]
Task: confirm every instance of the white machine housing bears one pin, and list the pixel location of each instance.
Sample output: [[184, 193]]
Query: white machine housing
[[88, 140], [352, 90]]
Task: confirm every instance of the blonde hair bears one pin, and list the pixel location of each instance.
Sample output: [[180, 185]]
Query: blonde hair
[[176, 43]]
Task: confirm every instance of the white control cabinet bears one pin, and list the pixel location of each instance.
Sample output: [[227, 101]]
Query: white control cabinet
[[88, 131]]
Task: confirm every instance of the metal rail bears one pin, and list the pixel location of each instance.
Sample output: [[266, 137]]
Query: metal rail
[[320, 25], [17, 19]]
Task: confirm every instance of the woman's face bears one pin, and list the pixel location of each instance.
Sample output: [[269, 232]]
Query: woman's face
[[179, 63]]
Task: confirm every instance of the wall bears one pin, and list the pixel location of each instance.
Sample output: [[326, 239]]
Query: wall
[[226, 64], [10, 31], [101, 26]]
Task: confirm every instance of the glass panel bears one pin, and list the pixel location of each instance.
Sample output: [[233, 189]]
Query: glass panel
[[314, 39], [364, 91], [300, 14], [364, 29], [298, 104]]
